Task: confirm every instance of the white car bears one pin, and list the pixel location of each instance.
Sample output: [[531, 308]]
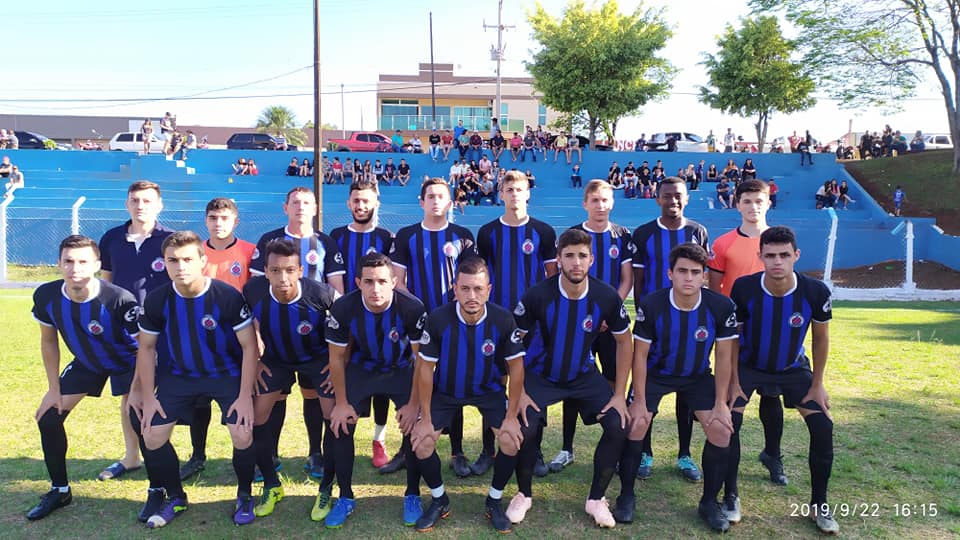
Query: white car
[[129, 141], [686, 142], [937, 141]]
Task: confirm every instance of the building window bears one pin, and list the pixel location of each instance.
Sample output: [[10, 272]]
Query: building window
[[542, 114], [504, 114]]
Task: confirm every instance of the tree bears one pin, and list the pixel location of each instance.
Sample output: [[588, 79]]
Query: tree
[[598, 62], [753, 75], [875, 53], [282, 122]]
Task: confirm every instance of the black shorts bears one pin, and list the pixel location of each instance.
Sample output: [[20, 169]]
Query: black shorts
[[589, 391], [77, 378], [362, 385], [605, 347], [492, 407], [793, 384], [698, 392], [309, 375], [179, 396]]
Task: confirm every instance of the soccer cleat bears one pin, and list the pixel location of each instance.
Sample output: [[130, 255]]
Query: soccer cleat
[[600, 511], [540, 468], [731, 509], [322, 506], [412, 509], [824, 520], [499, 520], [397, 462], [482, 464], [379, 455], [519, 505], [460, 466], [49, 502], [314, 465], [339, 513], [243, 513], [775, 466], [155, 498], [624, 509], [689, 469], [439, 509], [193, 466], [712, 515], [172, 507], [645, 470], [560, 461], [268, 501]]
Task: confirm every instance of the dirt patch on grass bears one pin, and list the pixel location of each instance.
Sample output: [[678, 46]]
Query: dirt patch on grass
[[927, 275]]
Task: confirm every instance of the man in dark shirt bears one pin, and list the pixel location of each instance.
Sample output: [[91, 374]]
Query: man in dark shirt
[[389, 172], [403, 172], [529, 140], [434, 140], [476, 146], [497, 144]]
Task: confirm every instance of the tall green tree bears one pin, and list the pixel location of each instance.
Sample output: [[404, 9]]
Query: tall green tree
[[599, 63], [875, 53], [281, 121], [752, 74]]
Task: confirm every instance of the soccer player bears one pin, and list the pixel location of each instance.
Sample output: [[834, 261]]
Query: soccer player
[[520, 252], [425, 256], [98, 323], [355, 240], [675, 331], [130, 257], [734, 255], [374, 338], [562, 318], [468, 347], [651, 267], [613, 249], [290, 313], [774, 309], [322, 261], [212, 348], [228, 259]]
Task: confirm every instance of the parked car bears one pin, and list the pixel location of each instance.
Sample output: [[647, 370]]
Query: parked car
[[29, 140], [585, 144], [686, 142], [934, 141], [132, 141], [252, 141], [362, 141]]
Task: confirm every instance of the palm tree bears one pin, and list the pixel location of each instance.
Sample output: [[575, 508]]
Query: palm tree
[[281, 121]]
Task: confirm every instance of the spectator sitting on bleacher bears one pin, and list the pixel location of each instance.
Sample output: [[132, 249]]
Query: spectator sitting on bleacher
[[446, 143], [531, 179], [543, 142], [390, 171], [497, 144], [403, 172], [378, 171], [292, 170], [396, 141], [713, 175], [456, 172], [357, 170], [613, 175], [529, 145], [825, 197], [476, 146], [845, 194], [899, 143], [488, 190], [464, 141], [560, 145], [472, 186], [347, 169], [641, 143], [15, 183], [252, 169], [240, 167], [917, 144], [748, 171], [723, 192], [13, 143], [326, 169], [485, 165], [5, 167], [573, 145], [336, 171], [305, 168], [4, 139], [368, 171], [576, 179], [460, 199]]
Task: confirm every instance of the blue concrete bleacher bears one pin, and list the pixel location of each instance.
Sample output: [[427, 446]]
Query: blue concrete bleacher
[[39, 216]]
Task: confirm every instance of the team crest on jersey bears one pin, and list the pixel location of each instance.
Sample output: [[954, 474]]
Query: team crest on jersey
[[132, 314], [332, 322], [425, 338], [338, 257], [516, 337], [519, 310], [394, 335], [614, 252], [451, 250], [827, 306], [640, 315], [208, 322], [256, 254], [235, 268], [304, 328], [312, 258], [731, 321], [587, 324], [94, 327], [796, 320], [701, 334], [157, 265], [527, 246], [488, 348]]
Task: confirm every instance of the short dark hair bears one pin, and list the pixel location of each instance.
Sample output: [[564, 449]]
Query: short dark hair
[[751, 186], [778, 235], [282, 247], [361, 185], [674, 180], [181, 239], [435, 181], [298, 189], [472, 265], [77, 241], [143, 185], [373, 260], [690, 251], [514, 176], [222, 203], [574, 237]]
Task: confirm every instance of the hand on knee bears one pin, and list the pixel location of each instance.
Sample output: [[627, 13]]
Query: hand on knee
[[426, 448], [507, 444], [242, 438], [718, 434]]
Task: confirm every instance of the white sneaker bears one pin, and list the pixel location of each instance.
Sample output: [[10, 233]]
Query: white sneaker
[[825, 522], [600, 510], [518, 507], [560, 461]]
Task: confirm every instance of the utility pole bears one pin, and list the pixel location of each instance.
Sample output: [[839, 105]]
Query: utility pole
[[497, 53], [433, 83], [317, 133], [343, 116]]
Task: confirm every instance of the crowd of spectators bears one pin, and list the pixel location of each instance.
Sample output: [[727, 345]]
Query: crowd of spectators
[[887, 143], [9, 140], [13, 176], [245, 167]]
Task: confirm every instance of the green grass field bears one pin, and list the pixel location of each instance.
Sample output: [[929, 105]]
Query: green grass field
[[893, 380]]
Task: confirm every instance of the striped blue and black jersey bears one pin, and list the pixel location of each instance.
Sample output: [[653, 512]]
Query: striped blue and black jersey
[[319, 254], [471, 359], [292, 333], [680, 340], [100, 331], [653, 243], [430, 260], [354, 244], [612, 252], [200, 333], [774, 327], [377, 341], [560, 330], [516, 257]]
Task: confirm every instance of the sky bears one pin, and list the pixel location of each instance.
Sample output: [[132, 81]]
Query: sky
[[220, 62]]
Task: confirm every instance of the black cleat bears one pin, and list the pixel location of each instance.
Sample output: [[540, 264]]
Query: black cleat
[[438, 509], [482, 464], [775, 466], [498, 518], [623, 512], [155, 498], [193, 466], [460, 466], [49, 502], [397, 462], [711, 513], [540, 468]]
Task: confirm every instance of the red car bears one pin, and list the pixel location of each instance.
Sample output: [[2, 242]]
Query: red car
[[362, 141]]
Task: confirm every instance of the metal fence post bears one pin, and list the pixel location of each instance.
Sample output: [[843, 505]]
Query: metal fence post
[[831, 246], [75, 215], [908, 283], [3, 237]]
